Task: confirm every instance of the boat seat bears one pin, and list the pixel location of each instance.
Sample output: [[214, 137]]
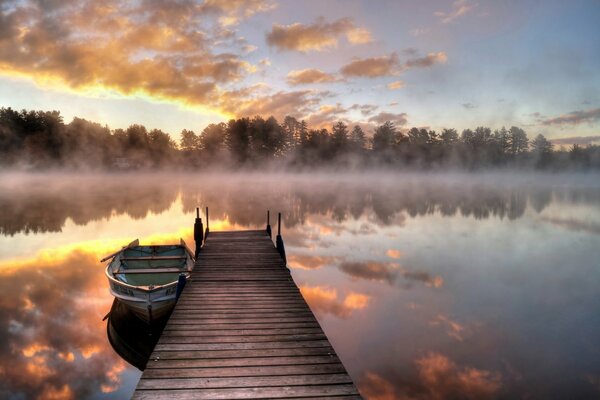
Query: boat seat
[[152, 270], [153, 258]]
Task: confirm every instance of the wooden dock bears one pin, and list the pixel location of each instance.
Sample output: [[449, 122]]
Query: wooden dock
[[242, 330]]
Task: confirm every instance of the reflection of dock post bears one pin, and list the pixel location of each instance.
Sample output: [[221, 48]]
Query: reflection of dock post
[[269, 224], [279, 240], [198, 232], [207, 230], [180, 285]]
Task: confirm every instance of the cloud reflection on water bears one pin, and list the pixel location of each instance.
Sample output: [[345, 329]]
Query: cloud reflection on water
[[429, 287]]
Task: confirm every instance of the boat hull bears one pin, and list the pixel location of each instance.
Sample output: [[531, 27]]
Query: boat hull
[[145, 278], [146, 305]]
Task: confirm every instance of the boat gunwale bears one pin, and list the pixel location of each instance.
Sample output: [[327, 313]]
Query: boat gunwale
[[146, 288]]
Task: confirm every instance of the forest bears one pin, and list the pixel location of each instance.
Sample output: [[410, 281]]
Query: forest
[[36, 140]]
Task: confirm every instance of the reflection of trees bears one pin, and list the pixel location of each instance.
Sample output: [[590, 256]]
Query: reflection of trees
[[39, 205], [42, 205]]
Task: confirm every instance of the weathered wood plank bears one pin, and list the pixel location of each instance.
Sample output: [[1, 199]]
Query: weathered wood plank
[[249, 393], [249, 381], [210, 354], [244, 371], [241, 346], [242, 339], [242, 362], [242, 330]]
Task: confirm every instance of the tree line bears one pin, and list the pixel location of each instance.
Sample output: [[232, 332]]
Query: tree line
[[41, 139]]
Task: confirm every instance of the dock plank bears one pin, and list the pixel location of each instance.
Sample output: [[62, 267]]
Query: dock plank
[[242, 330]]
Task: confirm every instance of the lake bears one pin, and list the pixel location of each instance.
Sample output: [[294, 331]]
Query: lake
[[429, 286]]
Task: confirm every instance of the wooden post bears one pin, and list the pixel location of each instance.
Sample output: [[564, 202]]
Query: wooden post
[[198, 232], [269, 224], [180, 285], [279, 240], [207, 230]]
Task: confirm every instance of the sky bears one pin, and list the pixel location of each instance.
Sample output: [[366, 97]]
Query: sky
[[184, 64]]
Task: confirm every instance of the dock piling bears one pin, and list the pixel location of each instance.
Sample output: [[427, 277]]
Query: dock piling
[[279, 240], [269, 224], [198, 232], [180, 285], [207, 230]]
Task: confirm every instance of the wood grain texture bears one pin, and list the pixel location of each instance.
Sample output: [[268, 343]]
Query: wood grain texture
[[242, 330]]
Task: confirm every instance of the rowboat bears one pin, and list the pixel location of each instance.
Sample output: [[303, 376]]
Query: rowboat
[[145, 278]]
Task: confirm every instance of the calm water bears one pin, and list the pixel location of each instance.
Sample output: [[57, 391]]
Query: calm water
[[429, 287]]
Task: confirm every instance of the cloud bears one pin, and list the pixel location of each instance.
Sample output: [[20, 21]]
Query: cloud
[[444, 379], [393, 253], [453, 328], [427, 61], [165, 51], [574, 118], [325, 300], [436, 377], [324, 117], [365, 109], [309, 75], [580, 140], [390, 65], [373, 271], [233, 11], [248, 103], [389, 272], [318, 36], [574, 224], [459, 9], [297, 261], [395, 85], [372, 67], [50, 333], [399, 119], [469, 106], [359, 36]]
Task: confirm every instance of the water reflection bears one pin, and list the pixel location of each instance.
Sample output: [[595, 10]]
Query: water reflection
[[52, 342], [31, 205], [428, 286], [132, 338]]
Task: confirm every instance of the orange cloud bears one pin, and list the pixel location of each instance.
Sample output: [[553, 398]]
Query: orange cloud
[[307, 76], [427, 61], [395, 85], [233, 11], [392, 253], [390, 65], [46, 346], [444, 379], [318, 36], [296, 261], [325, 300], [321, 119], [372, 67], [160, 50], [436, 378], [454, 329], [53, 393], [375, 387]]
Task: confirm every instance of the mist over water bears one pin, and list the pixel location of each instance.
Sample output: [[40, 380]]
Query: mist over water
[[428, 285]]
